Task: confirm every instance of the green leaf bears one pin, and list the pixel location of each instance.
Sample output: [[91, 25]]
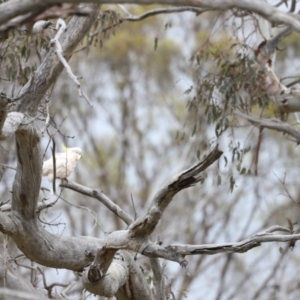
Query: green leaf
[[194, 130], [188, 90], [23, 51], [219, 180], [155, 43], [232, 183], [226, 160], [243, 171], [198, 154]]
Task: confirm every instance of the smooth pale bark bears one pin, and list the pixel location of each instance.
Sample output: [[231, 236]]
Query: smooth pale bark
[[273, 124], [14, 8]]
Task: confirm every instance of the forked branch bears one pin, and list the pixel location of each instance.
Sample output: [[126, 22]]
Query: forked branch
[[145, 225]]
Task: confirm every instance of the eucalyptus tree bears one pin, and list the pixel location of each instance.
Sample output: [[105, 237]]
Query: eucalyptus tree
[[233, 84]]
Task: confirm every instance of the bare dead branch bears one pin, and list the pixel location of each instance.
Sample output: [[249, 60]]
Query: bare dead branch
[[238, 247], [168, 10], [54, 166], [97, 281], [99, 195], [257, 150], [176, 250], [146, 224], [68, 288], [51, 286], [101, 263], [122, 275], [62, 27], [16, 8], [273, 124], [63, 11]]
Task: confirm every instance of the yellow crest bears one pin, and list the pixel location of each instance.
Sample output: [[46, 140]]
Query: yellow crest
[[64, 147]]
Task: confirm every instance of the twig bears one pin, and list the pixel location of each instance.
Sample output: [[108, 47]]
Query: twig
[[94, 193], [8, 167], [158, 11], [22, 265], [94, 215], [54, 166], [133, 206], [272, 274], [61, 27], [50, 204], [67, 289], [151, 13], [257, 149], [12, 100], [51, 286]]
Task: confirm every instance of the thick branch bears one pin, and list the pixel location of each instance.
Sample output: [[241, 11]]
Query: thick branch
[[106, 282], [95, 193], [123, 279], [12, 122], [36, 243], [27, 182], [145, 225], [51, 67], [11, 9], [55, 251], [273, 124], [14, 8], [268, 48], [176, 251], [238, 247], [6, 224], [3, 110]]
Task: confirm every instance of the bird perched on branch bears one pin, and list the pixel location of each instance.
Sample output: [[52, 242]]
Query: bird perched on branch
[[65, 163]]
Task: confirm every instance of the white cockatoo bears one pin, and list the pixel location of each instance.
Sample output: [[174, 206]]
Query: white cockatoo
[[65, 163]]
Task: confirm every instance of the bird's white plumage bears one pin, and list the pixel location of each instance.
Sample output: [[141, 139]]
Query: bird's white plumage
[[65, 163]]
